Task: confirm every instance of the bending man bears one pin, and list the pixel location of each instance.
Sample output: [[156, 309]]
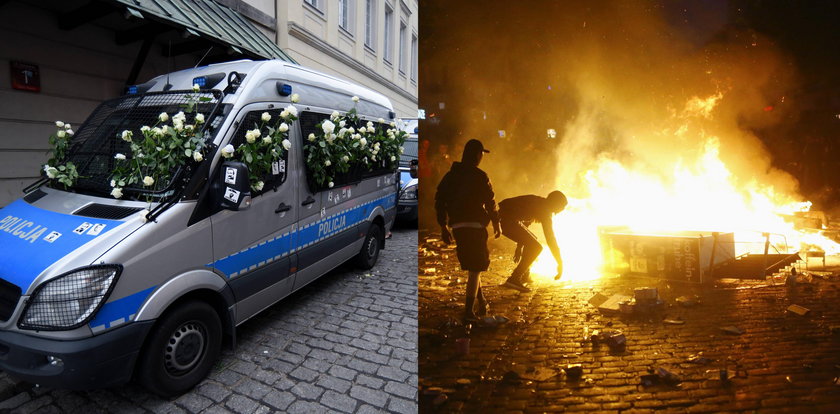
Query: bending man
[[515, 214]]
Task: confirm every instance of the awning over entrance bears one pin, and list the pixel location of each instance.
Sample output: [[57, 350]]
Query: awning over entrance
[[209, 20]]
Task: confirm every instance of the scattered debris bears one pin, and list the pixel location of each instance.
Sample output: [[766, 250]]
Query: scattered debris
[[573, 371], [698, 359], [688, 301], [789, 379], [612, 303], [668, 377], [616, 341], [732, 330], [627, 306], [429, 271], [799, 310], [649, 380], [538, 374], [674, 321], [646, 294], [597, 300], [510, 377]]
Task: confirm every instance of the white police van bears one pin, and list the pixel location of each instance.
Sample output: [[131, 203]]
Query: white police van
[[96, 290]]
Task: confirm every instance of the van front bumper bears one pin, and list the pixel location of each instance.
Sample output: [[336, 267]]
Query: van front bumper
[[100, 361]]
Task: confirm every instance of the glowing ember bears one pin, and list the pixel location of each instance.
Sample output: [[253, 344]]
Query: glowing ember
[[698, 194]]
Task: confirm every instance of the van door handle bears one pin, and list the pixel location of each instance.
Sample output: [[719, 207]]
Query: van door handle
[[309, 200], [282, 208]]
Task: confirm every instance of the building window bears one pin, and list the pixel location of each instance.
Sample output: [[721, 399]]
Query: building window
[[344, 15], [388, 33], [403, 55], [317, 4], [414, 57], [370, 23]]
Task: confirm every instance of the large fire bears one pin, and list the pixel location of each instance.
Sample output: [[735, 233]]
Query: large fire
[[698, 193]]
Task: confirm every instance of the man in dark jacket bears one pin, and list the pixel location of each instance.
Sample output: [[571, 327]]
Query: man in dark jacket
[[465, 202], [515, 214]]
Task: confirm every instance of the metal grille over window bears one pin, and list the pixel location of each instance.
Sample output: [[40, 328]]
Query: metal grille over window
[[97, 142], [69, 301], [251, 121]]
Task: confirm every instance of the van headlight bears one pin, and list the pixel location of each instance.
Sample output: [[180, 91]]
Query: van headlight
[[410, 193], [70, 300]]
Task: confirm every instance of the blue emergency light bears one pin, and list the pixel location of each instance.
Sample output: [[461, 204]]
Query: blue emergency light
[[208, 81], [284, 89]]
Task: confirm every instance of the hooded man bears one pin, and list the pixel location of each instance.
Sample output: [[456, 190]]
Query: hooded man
[[515, 214], [465, 202]]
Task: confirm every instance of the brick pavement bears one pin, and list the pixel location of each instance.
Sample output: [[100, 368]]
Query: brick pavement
[[783, 362], [346, 343]]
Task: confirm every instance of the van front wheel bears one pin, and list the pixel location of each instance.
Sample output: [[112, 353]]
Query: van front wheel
[[183, 347], [370, 249]]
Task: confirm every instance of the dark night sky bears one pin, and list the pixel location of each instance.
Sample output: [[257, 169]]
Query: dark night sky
[[508, 63]]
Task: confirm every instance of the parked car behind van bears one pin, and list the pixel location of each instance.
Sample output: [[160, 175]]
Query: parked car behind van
[[123, 275]]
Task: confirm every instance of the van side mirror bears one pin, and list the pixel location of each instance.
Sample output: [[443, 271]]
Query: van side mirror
[[412, 168], [234, 192]]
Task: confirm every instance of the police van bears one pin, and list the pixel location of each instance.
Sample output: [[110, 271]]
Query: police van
[[102, 282]]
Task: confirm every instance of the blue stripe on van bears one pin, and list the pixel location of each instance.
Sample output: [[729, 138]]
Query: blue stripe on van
[[269, 251], [120, 311]]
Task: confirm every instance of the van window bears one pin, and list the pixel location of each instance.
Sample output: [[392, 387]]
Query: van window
[[97, 141], [251, 121]]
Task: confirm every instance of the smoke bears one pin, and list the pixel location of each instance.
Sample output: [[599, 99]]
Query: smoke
[[642, 84]]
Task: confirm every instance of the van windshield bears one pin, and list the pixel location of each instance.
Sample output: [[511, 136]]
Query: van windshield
[[98, 141]]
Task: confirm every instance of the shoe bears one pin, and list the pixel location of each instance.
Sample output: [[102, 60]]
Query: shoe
[[515, 284], [482, 308], [472, 319]]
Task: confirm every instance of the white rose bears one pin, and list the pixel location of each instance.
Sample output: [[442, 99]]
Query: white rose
[[393, 158], [284, 114], [265, 117], [165, 129], [145, 128], [126, 135], [345, 158], [380, 120], [266, 140], [163, 117], [179, 125], [227, 151], [179, 117], [119, 157], [51, 172], [189, 127], [370, 124], [61, 134], [283, 127], [334, 115], [311, 137], [355, 98], [148, 181], [342, 123], [328, 127], [287, 144], [363, 141], [59, 124], [291, 110], [196, 88], [376, 146], [327, 163], [67, 126], [157, 131], [140, 155], [330, 184], [116, 192], [199, 118], [70, 132], [393, 124], [401, 150], [249, 137], [197, 156], [363, 130], [259, 185], [295, 98]]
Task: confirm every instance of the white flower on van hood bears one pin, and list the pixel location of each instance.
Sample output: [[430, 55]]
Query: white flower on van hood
[[345, 158], [265, 117], [334, 115], [163, 117], [199, 119], [284, 114], [51, 171], [179, 117], [197, 156], [327, 163], [369, 124], [259, 185], [363, 142], [61, 134], [266, 140], [59, 124], [355, 98], [252, 135], [67, 126], [328, 127], [119, 157], [283, 127], [196, 87], [362, 130], [70, 132], [227, 151], [148, 181], [145, 128], [116, 192], [126, 135], [393, 158], [287, 144], [291, 109], [380, 120], [311, 137], [330, 184], [295, 98], [342, 123]]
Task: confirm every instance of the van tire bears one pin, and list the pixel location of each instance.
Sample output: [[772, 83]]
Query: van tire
[[168, 371], [367, 257]]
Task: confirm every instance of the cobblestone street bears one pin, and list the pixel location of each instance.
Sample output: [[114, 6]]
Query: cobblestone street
[[782, 362], [345, 343]]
